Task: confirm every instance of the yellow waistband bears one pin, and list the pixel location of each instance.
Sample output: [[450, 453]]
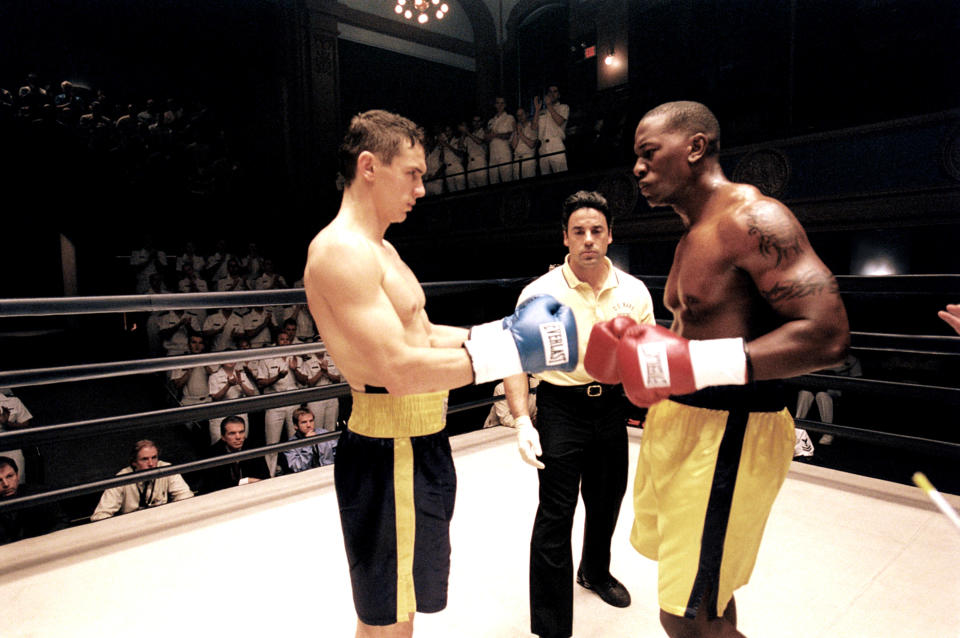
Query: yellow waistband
[[388, 416]]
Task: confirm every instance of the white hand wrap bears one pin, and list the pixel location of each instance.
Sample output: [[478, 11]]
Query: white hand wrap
[[493, 352], [718, 362]]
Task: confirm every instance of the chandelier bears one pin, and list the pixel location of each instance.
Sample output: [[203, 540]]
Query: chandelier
[[422, 9]]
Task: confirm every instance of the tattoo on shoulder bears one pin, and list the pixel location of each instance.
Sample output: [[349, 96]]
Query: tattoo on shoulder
[[809, 284], [775, 235]]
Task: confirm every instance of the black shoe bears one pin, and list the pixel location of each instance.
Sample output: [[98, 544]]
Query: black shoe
[[611, 591]]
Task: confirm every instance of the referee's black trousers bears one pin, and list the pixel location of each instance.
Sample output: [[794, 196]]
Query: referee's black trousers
[[584, 441]]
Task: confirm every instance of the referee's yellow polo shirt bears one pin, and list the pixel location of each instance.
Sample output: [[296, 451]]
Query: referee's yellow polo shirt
[[622, 294]]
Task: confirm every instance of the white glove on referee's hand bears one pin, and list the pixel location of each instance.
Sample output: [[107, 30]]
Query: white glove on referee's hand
[[528, 442]]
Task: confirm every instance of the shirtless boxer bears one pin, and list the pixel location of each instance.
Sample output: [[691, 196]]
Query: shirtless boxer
[[394, 474], [751, 302]]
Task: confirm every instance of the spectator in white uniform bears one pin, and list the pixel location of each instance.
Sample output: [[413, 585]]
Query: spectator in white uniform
[[222, 328], [318, 369], [192, 383], [231, 381], [275, 374], [452, 153], [500, 130], [475, 143], [176, 326], [551, 123], [524, 144], [259, 326]]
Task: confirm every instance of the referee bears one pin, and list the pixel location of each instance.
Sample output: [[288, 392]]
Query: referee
[[581, 425]]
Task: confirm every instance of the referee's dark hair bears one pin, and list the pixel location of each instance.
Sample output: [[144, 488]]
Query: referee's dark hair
[[586, 199]]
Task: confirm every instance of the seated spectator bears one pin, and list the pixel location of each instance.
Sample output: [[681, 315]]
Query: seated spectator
[[318, 369], [231, 381], [26, 522], [275, 374], [316, 455], [222, 328], [14, 415], [138, 496], [233, 437], [500, 411]]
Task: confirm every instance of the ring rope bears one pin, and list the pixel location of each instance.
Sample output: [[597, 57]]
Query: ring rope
[[168, 416], [47, 306], [89, 371]]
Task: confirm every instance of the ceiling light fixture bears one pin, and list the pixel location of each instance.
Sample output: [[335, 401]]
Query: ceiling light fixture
[[421, 10]]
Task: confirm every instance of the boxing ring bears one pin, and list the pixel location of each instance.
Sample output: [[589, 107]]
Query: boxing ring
[[844, 555]]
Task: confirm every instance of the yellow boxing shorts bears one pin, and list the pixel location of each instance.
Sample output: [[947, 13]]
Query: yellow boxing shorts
[[705, 483], [396, 487]]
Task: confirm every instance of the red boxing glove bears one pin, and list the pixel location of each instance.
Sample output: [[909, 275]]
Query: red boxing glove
[[655, 363], [600, 361]]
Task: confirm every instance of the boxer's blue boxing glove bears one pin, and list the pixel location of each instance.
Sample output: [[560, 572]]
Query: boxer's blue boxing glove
[[541, 335]]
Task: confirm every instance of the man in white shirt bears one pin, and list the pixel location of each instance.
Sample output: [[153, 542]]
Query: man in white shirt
[[275, 374], [500, 129], [551, 124]]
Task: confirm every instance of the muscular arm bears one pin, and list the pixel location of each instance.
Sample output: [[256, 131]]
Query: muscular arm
[[361, 325], [447, 336], [801, 290]]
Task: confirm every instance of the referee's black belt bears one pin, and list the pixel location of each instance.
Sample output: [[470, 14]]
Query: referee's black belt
[[589, 390]]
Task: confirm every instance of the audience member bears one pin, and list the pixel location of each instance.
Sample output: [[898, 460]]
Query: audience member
[[452, 150], [191, 257], [231, 381], [143, 494], [26, 522], [234, 279], [274, 374], [252, 264], [524, 143], [269, 278], [824, 398], [500, 411], [433, 178], [222, 328], [318, 369], [217, 264], [475, 143], [233, 437], [306, 329], [551, 124], [14, 415], [176, 326], [191, 281], [500, 130], [146, 261], [259, 326], [307, 457], [193, 383]]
